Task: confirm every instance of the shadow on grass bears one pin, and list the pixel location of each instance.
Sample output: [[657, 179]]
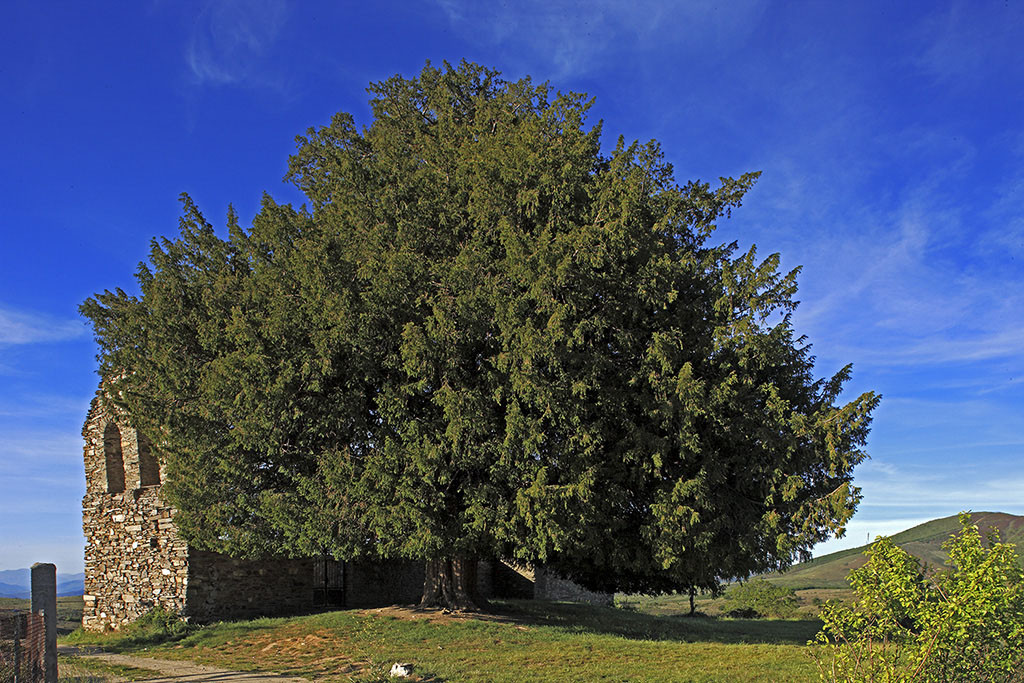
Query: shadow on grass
[[637, 626], [132, 640]]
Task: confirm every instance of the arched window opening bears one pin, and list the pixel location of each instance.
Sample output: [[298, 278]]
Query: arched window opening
[[149, 468], [115, 461]]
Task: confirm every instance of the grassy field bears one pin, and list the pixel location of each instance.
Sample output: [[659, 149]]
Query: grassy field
[[521, 640], [809, 601]]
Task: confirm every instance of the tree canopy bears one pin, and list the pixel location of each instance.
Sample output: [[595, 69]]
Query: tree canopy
[[485, 338]]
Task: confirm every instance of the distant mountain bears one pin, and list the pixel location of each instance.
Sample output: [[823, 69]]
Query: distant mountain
[[9, 590], [923, 541], [15, 576], [16, 583]]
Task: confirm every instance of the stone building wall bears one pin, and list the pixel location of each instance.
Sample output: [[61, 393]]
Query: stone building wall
[[134, 558], [222, 587], [376, 584], [509, 580], [548, 585]]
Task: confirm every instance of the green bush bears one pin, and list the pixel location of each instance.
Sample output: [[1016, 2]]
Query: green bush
[[759, 598], [964, 623], [158, 625]]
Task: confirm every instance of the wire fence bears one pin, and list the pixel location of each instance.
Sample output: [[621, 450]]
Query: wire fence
[[22, 647]]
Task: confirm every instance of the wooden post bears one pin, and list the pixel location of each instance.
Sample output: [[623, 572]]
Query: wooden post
[[44, 600]]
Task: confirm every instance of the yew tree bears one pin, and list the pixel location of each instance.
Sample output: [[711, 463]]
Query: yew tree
[[485, 338]]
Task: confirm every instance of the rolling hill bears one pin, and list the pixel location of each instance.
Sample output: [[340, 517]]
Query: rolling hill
[[923, 541]]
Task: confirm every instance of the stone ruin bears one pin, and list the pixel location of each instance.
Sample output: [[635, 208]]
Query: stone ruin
[[135, 559]]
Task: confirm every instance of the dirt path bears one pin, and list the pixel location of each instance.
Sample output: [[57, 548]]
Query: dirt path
[[174, 671]]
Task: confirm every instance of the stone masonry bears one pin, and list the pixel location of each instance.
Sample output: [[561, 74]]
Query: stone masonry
[[135, 559]]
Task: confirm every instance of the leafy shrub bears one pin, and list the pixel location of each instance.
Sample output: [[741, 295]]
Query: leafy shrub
[[158, 625], [965, 623], [759, 598]]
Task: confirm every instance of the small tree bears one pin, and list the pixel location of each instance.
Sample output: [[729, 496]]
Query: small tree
[[963, 623], [760, 598]]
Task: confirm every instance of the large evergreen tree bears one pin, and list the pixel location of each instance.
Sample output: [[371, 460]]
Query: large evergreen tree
[[484, 338]]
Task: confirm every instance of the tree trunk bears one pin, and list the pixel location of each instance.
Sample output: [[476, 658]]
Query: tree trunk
[[693, 593], [451, 583]]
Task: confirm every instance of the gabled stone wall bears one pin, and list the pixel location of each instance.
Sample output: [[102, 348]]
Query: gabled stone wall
[[134, 558]]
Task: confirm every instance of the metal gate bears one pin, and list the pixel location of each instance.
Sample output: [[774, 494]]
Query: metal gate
[[328, 583]]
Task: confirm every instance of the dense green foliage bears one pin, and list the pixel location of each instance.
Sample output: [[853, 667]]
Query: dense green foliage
[[965, 623], [485, 338], [760, 598]]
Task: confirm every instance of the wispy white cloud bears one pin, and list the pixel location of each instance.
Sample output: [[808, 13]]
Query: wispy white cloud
[[991, 388], [917, 277], [37, 404], [904, 265], [963, 348], [43, 483], [40, 451], [938, 422], [900, 496], [230, 41], [962, 39], [50, 545], [571, 37], [925, 487], [24, 327], [1004, 239]]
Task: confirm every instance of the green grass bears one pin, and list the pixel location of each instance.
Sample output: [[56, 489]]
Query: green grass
[[522, 640]]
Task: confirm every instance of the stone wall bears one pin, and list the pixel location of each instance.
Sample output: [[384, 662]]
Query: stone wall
[[134, 558], [376, 584], [222, 587], [511, 581], [550, 586]]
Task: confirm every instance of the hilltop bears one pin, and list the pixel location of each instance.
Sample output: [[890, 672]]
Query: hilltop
[[923, 541]]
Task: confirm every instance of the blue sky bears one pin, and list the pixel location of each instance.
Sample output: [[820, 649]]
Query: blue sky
[[890, 138]]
